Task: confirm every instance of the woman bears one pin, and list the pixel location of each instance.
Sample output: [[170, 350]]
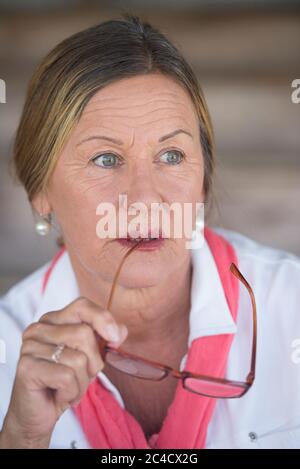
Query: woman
[[113, 110]]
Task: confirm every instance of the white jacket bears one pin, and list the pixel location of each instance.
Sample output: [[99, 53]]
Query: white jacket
[[268, 416]]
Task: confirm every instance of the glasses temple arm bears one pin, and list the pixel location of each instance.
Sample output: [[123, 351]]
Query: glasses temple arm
[[237, 273]]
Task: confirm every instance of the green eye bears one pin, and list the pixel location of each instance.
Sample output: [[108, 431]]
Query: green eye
[[172, 157], [106, 160]]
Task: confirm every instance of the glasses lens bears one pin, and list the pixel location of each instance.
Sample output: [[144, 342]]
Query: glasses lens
[[133, 367], [213, 389]]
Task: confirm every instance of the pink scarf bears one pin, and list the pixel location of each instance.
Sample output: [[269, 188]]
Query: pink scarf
[[107, 425]]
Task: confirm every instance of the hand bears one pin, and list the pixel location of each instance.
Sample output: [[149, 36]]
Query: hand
[[43, 389]]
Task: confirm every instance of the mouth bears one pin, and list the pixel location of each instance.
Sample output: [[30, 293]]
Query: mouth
[[148, 243]]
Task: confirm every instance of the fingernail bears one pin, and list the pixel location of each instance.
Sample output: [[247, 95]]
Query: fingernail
[[113, 332]]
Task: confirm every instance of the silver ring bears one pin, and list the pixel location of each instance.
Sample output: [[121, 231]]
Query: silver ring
[[57, 353]]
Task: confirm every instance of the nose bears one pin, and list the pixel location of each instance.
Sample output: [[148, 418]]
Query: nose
[[143, 190], [143, 185]]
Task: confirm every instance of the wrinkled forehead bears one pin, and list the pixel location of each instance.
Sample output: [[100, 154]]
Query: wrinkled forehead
[[141, 100]]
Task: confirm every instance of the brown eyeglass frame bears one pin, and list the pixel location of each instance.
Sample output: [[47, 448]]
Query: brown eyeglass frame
[[104, 348]]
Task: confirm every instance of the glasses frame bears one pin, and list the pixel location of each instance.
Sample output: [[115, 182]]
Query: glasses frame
[[183, 375]]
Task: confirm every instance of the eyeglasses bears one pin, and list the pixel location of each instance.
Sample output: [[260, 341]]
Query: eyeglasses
[[200, 384]]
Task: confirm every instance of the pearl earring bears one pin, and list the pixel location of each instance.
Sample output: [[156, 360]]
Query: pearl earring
[[43, 226]]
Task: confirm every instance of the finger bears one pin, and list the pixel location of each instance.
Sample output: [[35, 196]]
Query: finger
[[76, 336], [74, 359], [38, 374], [82, 310]]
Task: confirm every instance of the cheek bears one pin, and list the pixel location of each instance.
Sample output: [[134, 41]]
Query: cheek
[[189, 192], [75, 204], [185, 183], [195, 187], [77, 191]]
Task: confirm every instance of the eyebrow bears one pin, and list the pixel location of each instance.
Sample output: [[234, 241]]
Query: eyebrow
[[119, 142]]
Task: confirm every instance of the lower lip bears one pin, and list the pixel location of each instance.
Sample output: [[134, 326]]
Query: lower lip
[[145, 245]]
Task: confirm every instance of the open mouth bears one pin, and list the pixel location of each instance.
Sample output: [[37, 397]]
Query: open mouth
[[135, 240], [147, 243]]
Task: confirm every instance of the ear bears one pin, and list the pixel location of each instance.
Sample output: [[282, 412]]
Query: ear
[[40, 203]]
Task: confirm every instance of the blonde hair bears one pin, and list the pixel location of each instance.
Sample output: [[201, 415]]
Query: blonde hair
[[74, 71]]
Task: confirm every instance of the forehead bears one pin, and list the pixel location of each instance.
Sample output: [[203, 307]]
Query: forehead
[[141, 99]]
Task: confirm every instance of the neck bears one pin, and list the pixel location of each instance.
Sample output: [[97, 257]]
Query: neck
[[157, 317]]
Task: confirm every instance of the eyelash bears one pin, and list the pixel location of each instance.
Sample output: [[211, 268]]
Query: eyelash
[[105, 153], [182, 154]]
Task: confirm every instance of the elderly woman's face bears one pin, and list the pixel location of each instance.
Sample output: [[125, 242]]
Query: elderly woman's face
[[117, 148]]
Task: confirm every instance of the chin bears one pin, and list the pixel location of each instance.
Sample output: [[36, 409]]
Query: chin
[[141, 277]]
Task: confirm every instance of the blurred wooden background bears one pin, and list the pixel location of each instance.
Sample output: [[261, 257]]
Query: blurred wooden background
[[246, 58]]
